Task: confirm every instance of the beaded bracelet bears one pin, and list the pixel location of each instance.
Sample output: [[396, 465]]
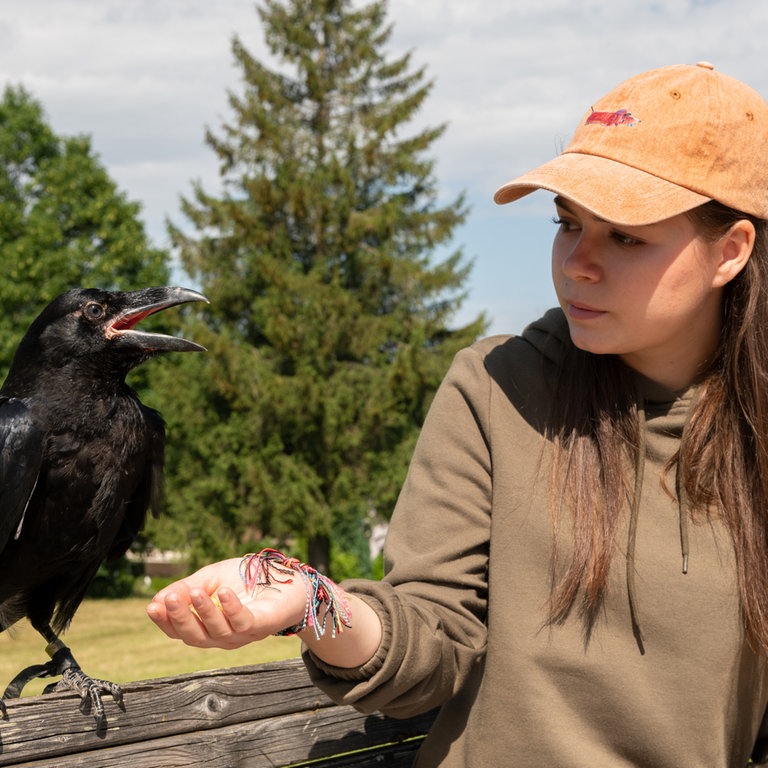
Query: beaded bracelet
[[261, 570]]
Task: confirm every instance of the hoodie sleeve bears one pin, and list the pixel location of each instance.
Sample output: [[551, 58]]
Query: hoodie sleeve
[[432, 602]]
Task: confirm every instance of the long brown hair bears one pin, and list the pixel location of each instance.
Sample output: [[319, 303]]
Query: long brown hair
[[721, 463]]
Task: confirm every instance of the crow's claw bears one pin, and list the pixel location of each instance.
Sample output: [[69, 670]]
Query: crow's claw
[[72, 679], [89, 689]]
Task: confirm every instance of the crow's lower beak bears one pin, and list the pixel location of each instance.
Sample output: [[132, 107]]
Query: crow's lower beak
[[140, 304]]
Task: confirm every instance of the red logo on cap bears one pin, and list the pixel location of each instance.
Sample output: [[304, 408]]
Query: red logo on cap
[[619, 117]]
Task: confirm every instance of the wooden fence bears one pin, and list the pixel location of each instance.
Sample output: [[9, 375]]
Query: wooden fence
[[261, 716]]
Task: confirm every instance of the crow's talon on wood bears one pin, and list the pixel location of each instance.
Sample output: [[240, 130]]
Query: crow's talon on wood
[[73, 678], [89, 689]]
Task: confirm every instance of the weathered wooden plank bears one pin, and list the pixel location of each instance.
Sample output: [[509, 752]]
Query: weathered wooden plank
[[251, 717], [288, 740], [52, 725]]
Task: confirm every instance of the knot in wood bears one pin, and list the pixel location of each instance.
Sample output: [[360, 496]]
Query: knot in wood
[[213, 704]]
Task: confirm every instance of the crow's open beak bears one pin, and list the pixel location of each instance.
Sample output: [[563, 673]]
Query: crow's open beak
[[141, 304]]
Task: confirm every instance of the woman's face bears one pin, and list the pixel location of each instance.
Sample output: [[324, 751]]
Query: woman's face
[[650, 294]]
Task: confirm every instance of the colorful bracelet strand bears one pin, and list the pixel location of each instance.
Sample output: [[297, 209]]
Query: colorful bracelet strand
[[263, 569]]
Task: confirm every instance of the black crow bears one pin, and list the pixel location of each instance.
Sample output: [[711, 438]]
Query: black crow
[[81, 462]]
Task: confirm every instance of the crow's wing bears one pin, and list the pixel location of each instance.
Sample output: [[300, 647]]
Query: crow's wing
[[21, 453]]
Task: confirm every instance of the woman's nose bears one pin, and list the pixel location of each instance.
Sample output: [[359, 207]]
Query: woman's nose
[[578, 259]]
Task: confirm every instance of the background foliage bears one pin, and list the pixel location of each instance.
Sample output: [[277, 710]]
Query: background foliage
[[63, 222], [326, 257]]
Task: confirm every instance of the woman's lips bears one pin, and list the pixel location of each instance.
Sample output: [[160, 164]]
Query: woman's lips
[[583, 312]]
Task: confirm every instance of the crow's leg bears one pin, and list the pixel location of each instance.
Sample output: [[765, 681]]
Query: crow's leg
[[73, 678]]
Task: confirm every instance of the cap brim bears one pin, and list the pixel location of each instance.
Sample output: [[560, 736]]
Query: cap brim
[[610, 190]]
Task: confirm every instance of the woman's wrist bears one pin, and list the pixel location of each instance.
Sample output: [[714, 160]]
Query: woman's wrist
[[326, 607], [325, 624], [356, 646]]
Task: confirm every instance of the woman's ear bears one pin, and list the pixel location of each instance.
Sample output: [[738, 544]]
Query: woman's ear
[[735, 248]]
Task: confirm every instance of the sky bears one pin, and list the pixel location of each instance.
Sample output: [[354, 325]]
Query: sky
[[511, 79]]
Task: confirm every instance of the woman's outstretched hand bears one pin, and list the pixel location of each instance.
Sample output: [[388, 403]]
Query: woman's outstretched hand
[[212, 609]]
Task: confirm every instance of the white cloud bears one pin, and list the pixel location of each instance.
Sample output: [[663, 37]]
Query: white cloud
[[145, 77]]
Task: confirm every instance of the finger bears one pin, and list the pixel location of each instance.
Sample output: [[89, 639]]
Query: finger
[[184, 622], [178, 587], [239, 616], [169, 616], [165, 608], [225, 630], [210, 614], [157, 613]]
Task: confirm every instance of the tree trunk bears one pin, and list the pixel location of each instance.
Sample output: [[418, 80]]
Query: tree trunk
[[319, 553]]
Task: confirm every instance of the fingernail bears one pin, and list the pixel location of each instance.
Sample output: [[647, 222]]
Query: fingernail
[[224, 596]]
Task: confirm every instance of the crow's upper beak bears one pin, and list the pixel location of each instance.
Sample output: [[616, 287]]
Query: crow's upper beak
[[140, 304]]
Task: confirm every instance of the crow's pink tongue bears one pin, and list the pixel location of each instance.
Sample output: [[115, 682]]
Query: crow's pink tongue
[[129, 321]]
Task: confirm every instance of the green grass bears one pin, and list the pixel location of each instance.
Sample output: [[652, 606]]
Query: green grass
[[115, 640]]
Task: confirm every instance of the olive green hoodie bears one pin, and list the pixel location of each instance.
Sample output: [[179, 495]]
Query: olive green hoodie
[[464, 604]]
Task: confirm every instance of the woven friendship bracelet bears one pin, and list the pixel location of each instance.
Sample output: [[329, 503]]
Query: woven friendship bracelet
[[268, 567]]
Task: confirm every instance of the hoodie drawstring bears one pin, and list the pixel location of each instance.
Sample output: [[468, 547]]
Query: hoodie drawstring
[[682, 509], [632, 536], [682, 506], [680, 492]]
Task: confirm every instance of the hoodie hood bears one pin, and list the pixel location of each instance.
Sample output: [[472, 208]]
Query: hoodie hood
[[550, 336]]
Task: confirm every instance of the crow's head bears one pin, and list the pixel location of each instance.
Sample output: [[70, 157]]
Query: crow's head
[[97, 329]]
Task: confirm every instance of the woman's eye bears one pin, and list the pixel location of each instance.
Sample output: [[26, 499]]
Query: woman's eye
[[94, 311], [566, 225], [623, 239]]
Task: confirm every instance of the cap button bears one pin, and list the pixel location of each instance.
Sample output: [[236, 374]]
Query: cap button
[[705, 65]]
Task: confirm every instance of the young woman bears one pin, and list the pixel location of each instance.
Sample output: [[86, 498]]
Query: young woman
[[578, 561]]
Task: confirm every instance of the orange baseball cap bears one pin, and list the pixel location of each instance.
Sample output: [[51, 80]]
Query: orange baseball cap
[[660, 144]]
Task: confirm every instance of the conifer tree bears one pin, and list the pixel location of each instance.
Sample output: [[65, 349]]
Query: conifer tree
[[325, 256]]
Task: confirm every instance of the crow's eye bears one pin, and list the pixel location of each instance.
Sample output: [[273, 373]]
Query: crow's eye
[[93, 311]]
